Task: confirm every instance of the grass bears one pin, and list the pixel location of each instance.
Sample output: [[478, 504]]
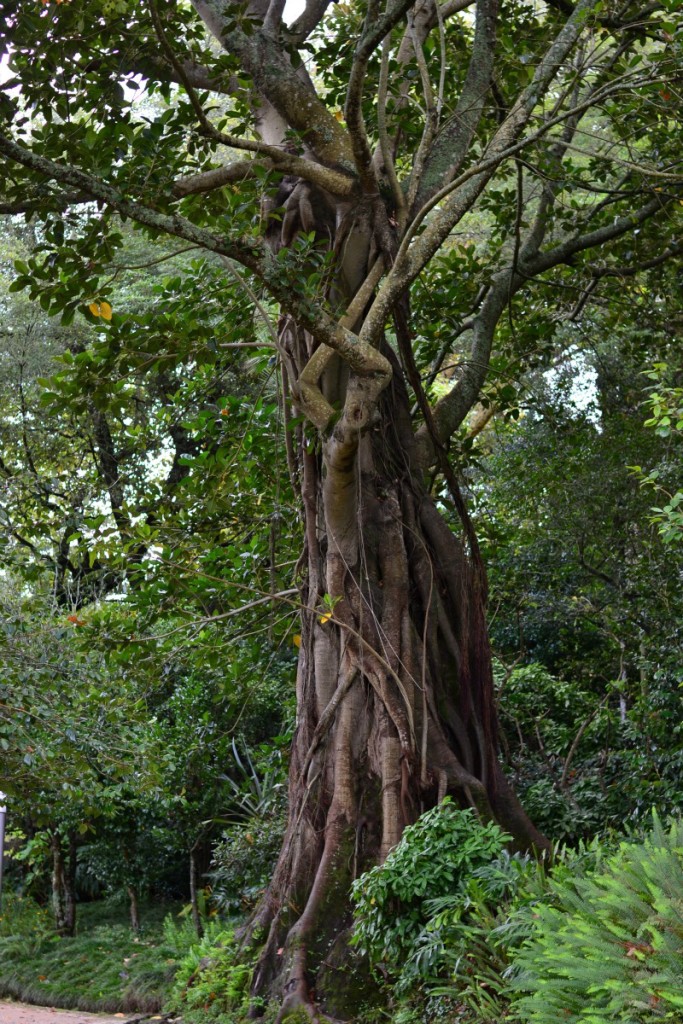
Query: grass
[[104, 968]]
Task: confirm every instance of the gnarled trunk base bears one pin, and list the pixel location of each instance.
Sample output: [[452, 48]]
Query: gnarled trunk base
[[395, 699]]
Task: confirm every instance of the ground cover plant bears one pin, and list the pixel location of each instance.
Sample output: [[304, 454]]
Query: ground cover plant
[[105, 967]]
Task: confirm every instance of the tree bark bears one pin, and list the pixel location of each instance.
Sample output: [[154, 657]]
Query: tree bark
[[63, 884]]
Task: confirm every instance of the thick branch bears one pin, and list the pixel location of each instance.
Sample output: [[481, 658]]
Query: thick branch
[[566, 250], [250, 253], [289, 90], [308, 20], [453, 142], [336, 182]]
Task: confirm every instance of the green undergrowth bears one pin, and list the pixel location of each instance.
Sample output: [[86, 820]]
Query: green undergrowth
[[213, 982], [105, 967], [597, 939], [607, 946]]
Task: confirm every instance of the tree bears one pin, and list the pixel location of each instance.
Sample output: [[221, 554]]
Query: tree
[[519, 159], [583, 583], [71, 734]]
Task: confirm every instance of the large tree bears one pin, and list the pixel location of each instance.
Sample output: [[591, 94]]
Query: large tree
[[496, 166]]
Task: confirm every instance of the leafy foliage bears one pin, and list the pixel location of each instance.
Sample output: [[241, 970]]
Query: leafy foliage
[[435, 857], [610, 947], [243, 861], [213, 979], [665, 403], [246, 852]]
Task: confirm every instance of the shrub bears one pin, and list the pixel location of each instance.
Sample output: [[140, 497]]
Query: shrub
[[243, 862], [472, 934], [434, 859], [22, 918], [610, 948]]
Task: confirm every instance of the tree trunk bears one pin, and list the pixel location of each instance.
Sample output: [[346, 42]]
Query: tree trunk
[[194, 901], [70, 883], [394, 690], [63, 885], [134, 908]]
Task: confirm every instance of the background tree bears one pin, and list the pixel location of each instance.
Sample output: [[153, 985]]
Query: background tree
[[587, 596], [550, 127]]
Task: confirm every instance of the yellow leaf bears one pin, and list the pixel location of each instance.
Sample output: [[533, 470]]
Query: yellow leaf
[[296, 640], [325, 618], [102, 309]]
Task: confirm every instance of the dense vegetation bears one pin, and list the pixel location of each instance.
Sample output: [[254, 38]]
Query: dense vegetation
[[340, 509]]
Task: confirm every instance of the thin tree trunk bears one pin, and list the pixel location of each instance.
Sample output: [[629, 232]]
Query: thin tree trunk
[[63, 901], [133, 908], [70, 883], [194, 899]]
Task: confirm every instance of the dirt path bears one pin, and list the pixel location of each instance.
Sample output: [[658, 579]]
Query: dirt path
[[21, 1013]]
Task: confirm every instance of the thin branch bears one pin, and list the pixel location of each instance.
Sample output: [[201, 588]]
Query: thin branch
[[425, 146], [353, 106], [207, 181], [575, 743], [443, 61], [675, 249], [451, 7], [272, 23], [258, 305]]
